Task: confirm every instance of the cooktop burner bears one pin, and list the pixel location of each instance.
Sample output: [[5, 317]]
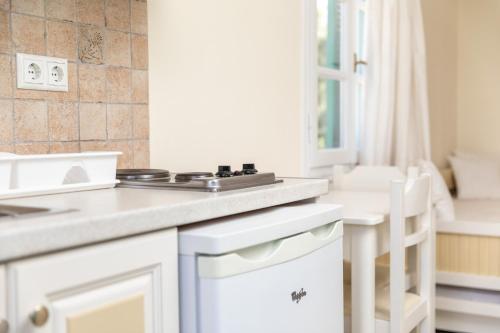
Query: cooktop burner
[[142, 174], [187, 176], [223, 180]]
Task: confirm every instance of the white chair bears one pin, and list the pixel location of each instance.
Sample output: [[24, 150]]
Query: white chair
[[399, 310], [368, 179]]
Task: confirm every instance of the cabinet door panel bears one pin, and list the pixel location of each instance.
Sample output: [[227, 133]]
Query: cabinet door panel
[[125, 316], [131, 282], [123, 304]]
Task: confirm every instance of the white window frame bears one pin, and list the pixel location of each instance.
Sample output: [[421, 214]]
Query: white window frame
[[319, 161]]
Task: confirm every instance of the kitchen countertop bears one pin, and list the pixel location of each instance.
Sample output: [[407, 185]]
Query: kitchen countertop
[[121, 212]]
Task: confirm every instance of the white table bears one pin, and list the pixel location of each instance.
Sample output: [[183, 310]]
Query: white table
[[366, 237]]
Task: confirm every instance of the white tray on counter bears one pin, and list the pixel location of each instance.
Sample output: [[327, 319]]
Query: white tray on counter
[[30, 175]]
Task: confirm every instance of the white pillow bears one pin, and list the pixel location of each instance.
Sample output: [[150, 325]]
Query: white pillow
[[476, 178], [441, 197]]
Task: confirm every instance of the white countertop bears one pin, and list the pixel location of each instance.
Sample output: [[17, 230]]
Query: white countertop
[[360, 208], [114, 213]]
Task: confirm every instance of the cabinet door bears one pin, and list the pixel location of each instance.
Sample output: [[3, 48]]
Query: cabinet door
[[126, 286], [3, 299]]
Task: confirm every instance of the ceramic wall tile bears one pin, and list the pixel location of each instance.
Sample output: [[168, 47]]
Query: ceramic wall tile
[[61, 9], [5, 38], [90, 12], [28, 34], [32, 7], [31, 121], [63, 121], [117, 52], [139, 45], [119, 121], [140, 119], [106, 107], [62, 40], [118, 84], [139, 86], [5, 76], [118, 15], [139, 17], [6, 122], [92, 121], [92, 82]]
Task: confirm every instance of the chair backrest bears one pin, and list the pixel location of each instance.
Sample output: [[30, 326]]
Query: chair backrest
[[410, 201], [365, 178]]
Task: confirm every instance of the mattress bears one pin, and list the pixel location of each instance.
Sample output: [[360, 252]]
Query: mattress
[[477, 210], [474, 217]]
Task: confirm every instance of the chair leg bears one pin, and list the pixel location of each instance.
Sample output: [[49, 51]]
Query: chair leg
[[425, 326]]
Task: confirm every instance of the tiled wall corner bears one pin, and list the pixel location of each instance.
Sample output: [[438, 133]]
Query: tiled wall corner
[[106, 108]]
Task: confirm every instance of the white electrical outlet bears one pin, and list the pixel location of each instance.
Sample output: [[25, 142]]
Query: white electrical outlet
[[57, 75], [33, 72], [41, 73]]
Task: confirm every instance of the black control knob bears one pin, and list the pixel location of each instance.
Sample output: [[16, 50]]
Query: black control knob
[[249, 169], [224, 171]]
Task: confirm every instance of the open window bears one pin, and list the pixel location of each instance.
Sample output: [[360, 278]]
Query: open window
[[334, 81]]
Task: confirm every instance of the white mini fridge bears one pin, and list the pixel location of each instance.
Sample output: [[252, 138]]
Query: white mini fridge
[[277, 270]]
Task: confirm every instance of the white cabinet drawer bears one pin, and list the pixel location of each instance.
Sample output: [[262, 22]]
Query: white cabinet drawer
[[124, 286]]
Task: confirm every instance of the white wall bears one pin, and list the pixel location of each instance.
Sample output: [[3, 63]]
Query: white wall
[[225, 84], [463, 46], [440, 22], [479, 76]]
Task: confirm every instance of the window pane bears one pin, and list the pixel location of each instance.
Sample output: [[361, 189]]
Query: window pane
[[360, 107], [328, 32], [360, 47], [329, 135]]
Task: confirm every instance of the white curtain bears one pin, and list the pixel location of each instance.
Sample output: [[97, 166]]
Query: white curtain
[[396, 123]]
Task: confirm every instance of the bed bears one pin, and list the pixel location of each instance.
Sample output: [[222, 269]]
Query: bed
[[468, 268]]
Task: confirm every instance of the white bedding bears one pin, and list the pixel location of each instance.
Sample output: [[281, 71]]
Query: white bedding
[[474, 217], [477, 210]]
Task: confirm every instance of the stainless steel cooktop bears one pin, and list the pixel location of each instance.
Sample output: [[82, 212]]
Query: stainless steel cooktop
[[224, 180]]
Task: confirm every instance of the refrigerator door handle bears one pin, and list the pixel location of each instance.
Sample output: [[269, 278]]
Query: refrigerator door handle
[[268, 254]]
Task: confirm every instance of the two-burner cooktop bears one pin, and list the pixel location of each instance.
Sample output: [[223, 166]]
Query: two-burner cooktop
[[223, 180]]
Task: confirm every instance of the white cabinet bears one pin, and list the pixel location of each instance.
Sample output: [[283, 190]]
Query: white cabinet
[[3, 300], [126, 286]]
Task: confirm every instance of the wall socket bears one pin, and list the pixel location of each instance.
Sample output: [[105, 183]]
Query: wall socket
[[41, 73]]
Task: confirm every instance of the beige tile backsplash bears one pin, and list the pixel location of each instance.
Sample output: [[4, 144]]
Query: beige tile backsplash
[[61, 9], [106, 108]]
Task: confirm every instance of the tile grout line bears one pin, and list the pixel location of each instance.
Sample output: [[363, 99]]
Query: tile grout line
[[77, 74], [130, 142], [13, 80], [76, 20], [78, 25], [45, 23], [104, 58], [132, 118], [74, 101]]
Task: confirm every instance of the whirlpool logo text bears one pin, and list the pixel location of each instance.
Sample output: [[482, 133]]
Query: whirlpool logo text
[[298, 295]]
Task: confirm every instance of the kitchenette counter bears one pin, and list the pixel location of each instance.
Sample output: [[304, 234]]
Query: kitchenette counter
[[103, 215]]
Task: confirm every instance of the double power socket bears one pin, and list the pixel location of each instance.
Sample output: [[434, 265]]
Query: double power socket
[[41, 73]]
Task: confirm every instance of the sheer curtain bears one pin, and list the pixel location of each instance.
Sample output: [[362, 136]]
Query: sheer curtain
[[396, 123]]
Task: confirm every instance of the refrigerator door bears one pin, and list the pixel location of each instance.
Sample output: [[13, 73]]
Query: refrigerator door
[[302, 294]]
